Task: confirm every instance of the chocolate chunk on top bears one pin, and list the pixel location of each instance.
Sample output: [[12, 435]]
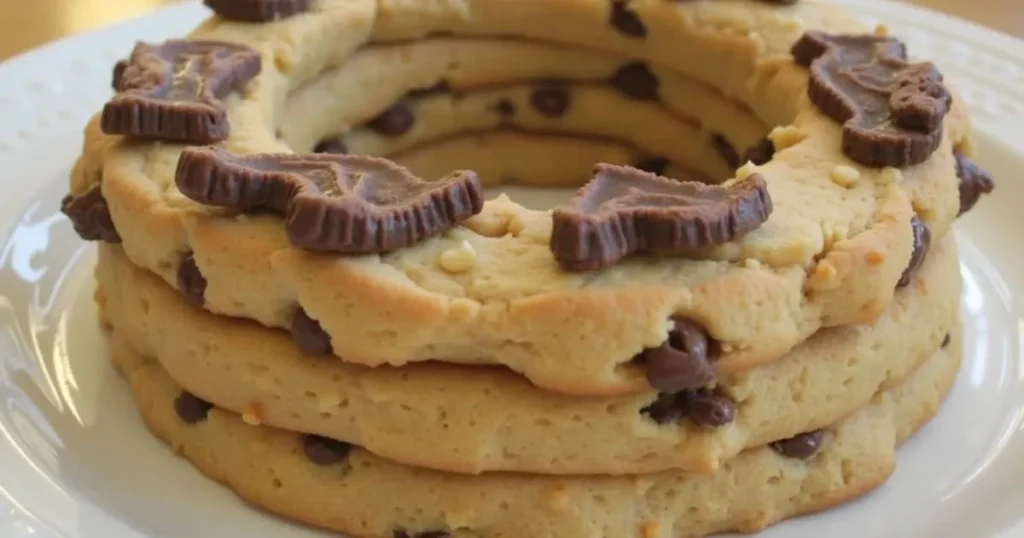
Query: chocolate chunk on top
[[801, 446], [257, 10], [191, 282], [324, 450], [891, 110], [349, 204], [922, 242], [626, 21], [623, 210], [684, 361], [172, 91], [90, 215], [190, 408], [309, 335], [974, 182]]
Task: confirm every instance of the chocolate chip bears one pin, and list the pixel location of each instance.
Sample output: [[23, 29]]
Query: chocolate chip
[[437, 89], [349, 204], [801, 446], [667, 408], [324, 450], [428, 534], [946, 339], [684, 361], [761, 152], [550, 100], [191, 282], [309, 335], [394, 121], [636, 80], [505, 108], [922, 242], [726, 150], [654, 165], [331, 145], [891, 109], [973, 182], [172, 91], [708, 409], [90, 215], [623, 210], [626, 21], [257, 10], [190, 408]]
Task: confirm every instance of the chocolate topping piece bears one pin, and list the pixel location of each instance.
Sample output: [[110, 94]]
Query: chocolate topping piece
[[172, 91], [946, 339], [436, 89], [626, 21], [623, 210], [323, 450], [684, 361], [665, 409], [654, 165], [973, 182], [351, 204], [891, 110], [709, 409], [726, 150], [505, 108], [331, 145], [257, 10], [394, 121], [761, 152], [191, 282], [551, 100], [801, 446], [922, 241], [636, 80], [309, 335], [90, 216], [428, 534], [190, 408]]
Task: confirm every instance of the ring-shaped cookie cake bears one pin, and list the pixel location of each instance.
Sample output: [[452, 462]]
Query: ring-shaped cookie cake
[[531, 268]]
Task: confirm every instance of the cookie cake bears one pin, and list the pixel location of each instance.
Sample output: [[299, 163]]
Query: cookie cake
[[320, 296]]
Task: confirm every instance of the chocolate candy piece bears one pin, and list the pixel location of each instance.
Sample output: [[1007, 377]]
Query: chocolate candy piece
[[350, 204], [654, 165], [922, 241], [505, 108], [331, 145], [190, 408], [973, 182], [172, 91], [191, 282], [665, 409], [761, 152], [684, 361], [801, 446], [436, 89], [709, 409], [394, 121], [623, 210], [309, 335], [636, 80], [726, 150], [946, 339], [428, 534], [323, 450], [90, 215], [257, 10], [550, 100], [891, 110], [626, 21]]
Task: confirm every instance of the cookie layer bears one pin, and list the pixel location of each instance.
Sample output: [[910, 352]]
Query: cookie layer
[[830, 255], [365, 495], [470, 420]]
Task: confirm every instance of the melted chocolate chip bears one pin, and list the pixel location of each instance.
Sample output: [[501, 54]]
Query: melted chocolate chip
[[324, 450], [684, 361], [257, 10], [726, 150], [946, 339], [550, 100], [708, 409], [394, 121], [191, 281], [636, 80], [505, 108], [626, 21], [667, 408], [974, 182], [190, 408], [436, 89], [761, 152], [428, 534], [922, 242], [309, 335], [801, 446], [90, 216], [654, 165], [331, 145]]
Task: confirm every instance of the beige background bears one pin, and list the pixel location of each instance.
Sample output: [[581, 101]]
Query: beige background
[[25, 24]]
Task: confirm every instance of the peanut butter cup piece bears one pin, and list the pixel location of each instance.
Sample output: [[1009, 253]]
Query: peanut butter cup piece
[[626, 21], [623, 210], [974, 182], [922, 242], [257, 10], [348, 204], [684, 361], [309, 335], [172, 91], [191, 282], [891, 109], [802, 446], [324, 450], [90, 216]]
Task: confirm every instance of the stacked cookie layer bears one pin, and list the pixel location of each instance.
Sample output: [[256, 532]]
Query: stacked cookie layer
[[703, 339]]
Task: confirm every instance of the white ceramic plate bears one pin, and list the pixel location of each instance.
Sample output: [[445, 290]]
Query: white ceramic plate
[[76, 461]]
